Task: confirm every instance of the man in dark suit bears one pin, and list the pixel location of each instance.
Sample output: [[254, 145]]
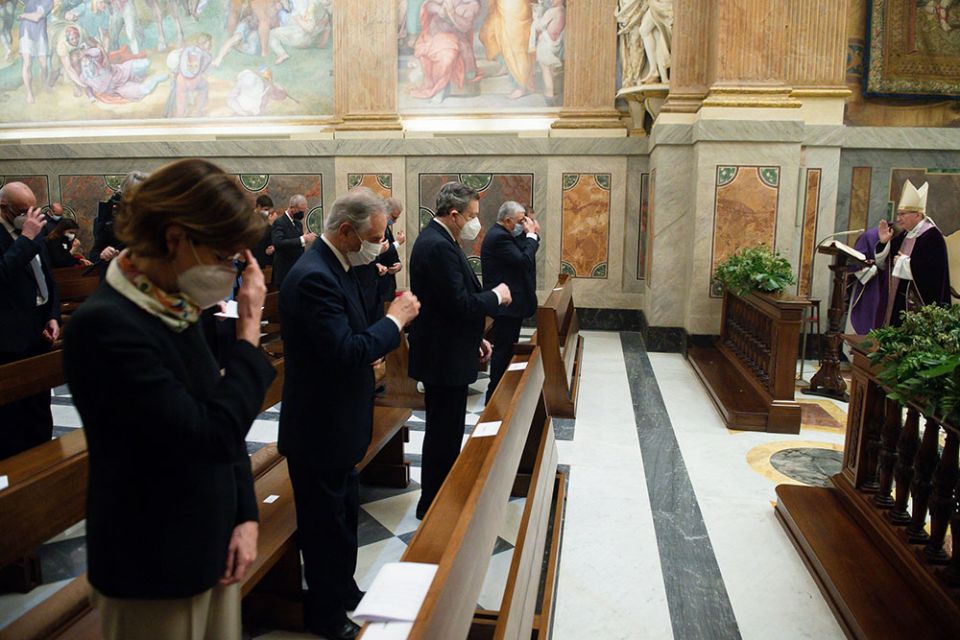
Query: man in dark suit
[[289, 240], [29, 313], [52, 218], [326, 418], [447, 337], [390, 259], [509, 254], [263, 250]]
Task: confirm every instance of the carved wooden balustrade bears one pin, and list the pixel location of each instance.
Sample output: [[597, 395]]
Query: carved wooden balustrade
[[900, 487], [750, 370]]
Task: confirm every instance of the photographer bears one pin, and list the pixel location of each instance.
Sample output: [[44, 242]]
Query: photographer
[[106, 247]]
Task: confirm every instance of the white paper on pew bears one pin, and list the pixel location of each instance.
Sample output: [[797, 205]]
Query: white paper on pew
[[388, 631], [4, 482], [517, 366], [271, 499], [558, 288], [396, 593], [486, 429], [230, 311]]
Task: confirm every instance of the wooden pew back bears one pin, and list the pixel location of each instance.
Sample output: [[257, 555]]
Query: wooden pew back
[[31, 376], [561, 345], [461, 528]]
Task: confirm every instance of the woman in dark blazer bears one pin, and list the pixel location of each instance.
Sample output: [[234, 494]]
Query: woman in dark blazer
[[171, 510]]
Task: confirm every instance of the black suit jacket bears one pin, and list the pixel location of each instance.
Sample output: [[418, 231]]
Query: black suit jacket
[[504, 258], [327, 413], [169, 472], [445, 337], [387, 284], [21, 320], [287, 247], [260, 249], [103, 235]]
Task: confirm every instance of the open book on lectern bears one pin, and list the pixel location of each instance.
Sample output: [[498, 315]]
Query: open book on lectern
[[838, 246]]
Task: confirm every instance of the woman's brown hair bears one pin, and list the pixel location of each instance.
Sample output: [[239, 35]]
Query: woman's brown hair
[[194, 194]]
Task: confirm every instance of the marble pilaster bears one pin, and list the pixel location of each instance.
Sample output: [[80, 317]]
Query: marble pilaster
[[590, 73], [365, 99], [688, 71]]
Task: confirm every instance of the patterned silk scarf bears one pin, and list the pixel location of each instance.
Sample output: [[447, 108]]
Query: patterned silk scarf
[[176, 311]]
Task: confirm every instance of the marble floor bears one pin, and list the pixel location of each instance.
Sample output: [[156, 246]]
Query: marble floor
[[669, 529]]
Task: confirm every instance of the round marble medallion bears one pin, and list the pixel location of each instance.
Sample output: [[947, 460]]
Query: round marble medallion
[[809, 465]]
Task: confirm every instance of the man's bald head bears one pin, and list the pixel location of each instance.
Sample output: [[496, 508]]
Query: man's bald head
[[15, 198]]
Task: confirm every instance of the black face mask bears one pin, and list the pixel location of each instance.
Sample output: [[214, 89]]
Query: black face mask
[[298, 215]]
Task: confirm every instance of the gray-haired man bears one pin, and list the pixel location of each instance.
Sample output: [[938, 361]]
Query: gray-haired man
[[326, 418]]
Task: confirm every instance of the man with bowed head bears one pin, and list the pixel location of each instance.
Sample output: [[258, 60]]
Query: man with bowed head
[[448, 336], [29, 312], [326, 419], [289, 240]]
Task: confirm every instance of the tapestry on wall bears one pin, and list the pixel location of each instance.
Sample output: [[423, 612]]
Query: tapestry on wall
[[913, 48], [89, 60], [480, 56]]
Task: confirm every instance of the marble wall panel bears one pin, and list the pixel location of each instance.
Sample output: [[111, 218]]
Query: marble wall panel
[[634, 262], [811, 214], [642, 232], [907, 151], [380, 183], [585, 241], [673, 206], [81, 194], [860, 197], [745, 211], [38, 184], [494, 190]]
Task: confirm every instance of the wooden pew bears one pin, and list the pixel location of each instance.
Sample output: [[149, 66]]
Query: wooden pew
[[561, 347], [460, 530], [74, 287], [274, 575]]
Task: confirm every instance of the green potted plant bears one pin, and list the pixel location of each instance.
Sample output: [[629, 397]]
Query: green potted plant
[[919, 361], [754, 269]]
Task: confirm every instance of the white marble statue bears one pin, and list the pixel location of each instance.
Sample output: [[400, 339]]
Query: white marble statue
[[645, 32]]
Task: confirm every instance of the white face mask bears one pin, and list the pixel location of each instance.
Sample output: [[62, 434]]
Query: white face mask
[[18, 221], [206, 284], [368, 253], [471, 230], [69, 237]]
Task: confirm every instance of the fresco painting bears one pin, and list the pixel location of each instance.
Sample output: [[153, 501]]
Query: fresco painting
[[135, 60], [480, 55]]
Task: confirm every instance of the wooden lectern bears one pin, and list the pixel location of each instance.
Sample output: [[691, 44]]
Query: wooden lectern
[[827, 381]]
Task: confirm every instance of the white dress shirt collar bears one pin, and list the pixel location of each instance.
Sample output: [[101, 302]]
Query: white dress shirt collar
[[343, 261]]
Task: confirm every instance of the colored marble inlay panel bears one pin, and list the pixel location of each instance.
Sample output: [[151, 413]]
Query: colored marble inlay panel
[[81, 195], [811, 211], [380, 183], [642, 235], [943, 196], [494, 190], [585, 241], [745, 213], [37, 184], [859, 198]]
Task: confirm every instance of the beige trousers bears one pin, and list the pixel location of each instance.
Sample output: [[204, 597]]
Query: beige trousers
[[211, 615]]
